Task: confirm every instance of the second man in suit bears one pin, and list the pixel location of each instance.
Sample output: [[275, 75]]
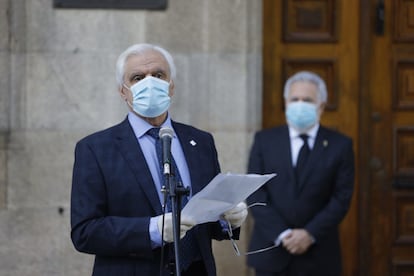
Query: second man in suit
[[311, 193]]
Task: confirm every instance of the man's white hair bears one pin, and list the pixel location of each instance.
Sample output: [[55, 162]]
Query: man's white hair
[[138, 49], [308, 77]]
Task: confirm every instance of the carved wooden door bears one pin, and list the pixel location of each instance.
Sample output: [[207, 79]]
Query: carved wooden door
[[364, 49], [387, 135]]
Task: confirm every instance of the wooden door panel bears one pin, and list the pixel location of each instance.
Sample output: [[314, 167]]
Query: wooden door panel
[[389, 70], [387, 219], [310, 21], [403, 18]]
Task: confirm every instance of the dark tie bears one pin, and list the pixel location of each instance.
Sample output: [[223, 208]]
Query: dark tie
[[154, 133], [303, 156], [189, 249]]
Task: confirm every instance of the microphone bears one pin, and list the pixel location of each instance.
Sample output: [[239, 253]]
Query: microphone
[[166, 134]]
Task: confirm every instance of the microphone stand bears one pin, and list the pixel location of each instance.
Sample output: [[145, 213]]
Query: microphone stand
[[175, 192]]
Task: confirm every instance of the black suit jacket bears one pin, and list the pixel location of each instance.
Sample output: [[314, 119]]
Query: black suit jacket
[[113, 198], [317, 202]]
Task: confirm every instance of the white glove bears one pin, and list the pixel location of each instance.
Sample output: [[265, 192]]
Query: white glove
[[237, 215], [186, 224]]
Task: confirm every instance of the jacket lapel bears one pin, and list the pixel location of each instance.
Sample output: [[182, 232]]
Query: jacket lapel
[[129, 147], [189, 146], [286, 151], [287, 163]]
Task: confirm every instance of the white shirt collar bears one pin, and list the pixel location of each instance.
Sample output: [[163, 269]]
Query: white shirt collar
[[293, 133], [140, 126]]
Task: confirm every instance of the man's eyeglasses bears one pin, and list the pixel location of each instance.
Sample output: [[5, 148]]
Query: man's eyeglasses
[[233, 242]]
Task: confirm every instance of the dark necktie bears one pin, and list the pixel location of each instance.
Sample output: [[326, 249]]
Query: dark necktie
[[154, 133], [303, 155], [188, 245]]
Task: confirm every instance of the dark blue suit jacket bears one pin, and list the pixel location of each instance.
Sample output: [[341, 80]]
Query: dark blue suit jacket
[[113, 198], [317, 202]]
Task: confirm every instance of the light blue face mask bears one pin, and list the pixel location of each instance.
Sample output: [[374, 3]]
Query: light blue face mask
[[301, 115], [150, 97]]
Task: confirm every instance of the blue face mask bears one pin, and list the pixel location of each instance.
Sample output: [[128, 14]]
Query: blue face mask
[[150, 97], [301, 115]]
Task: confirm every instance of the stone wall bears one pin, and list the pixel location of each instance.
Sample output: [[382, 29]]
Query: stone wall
[[57, 85]]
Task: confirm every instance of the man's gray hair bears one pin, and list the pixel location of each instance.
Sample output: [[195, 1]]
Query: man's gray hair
[[308, 77], [138, 49]]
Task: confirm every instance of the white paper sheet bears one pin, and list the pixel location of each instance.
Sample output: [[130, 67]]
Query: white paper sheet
[[224, 192]]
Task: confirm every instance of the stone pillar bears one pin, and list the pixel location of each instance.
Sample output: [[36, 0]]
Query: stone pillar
[[4, 97]]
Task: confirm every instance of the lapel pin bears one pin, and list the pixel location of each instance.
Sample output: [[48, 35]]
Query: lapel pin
[[325, 143], [193, 143]]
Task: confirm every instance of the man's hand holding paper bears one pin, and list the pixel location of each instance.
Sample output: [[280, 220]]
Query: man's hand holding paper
[[223, 197], [186, 225], [237, 215]]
